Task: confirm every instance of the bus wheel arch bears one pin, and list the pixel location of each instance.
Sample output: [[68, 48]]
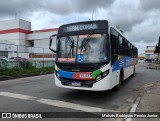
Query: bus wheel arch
[[134, 69], [121, 78]]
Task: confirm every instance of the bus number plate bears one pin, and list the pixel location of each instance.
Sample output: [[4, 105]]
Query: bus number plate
[[76, 83]]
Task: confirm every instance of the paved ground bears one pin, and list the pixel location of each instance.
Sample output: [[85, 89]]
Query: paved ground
[[150, 102], [39, 94]]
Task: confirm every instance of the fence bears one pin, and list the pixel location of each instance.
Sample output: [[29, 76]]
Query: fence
[[25, 64], [18, 56], [29, 52]]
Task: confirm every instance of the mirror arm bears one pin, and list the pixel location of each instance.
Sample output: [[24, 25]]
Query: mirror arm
[[50, 43]]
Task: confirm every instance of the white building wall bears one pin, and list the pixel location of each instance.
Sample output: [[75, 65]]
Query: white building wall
[[9, 24], [10, 38], [42, 43], [40, 35], [41, 40], [18, 40], [16, 23], [24, 24]]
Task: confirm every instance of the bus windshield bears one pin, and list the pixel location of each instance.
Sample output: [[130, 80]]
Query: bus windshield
[[83, 48]]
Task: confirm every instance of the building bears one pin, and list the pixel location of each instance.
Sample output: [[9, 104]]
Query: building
[[149, 52], [142, 56], [17, 39]]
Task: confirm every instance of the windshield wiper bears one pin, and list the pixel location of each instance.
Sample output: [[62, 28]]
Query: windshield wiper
[[71, 41], [84, 42], [71, 44]]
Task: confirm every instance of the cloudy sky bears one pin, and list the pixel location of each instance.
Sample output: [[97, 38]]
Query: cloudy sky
[[139, 19]]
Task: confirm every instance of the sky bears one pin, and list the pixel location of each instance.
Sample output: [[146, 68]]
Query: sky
[[139, 19]]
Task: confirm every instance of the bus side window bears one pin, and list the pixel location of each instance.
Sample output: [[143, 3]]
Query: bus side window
[[121, 47], [129, 49], [135, 52], [132, 52], [114, 41], [125, 46]]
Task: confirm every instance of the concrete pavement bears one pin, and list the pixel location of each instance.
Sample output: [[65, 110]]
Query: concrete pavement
[[149, 101], [154, 66], [17, 95]]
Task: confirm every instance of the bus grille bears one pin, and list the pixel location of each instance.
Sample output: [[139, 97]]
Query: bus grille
[[68, 82]]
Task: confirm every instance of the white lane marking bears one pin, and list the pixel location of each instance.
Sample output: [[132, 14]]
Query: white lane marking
[[72, 106], [134, 107], [132, 110], [56, 103], [19, 96]]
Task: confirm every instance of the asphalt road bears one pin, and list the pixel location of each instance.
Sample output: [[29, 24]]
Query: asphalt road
[[39, 94]]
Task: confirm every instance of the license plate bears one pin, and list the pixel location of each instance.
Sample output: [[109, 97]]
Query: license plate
[[76, 83], [85, 75]]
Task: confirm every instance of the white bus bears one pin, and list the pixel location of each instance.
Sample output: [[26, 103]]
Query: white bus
[[92, 55]]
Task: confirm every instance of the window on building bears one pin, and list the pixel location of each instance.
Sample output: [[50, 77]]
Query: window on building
[[3, 54], [31, 43]]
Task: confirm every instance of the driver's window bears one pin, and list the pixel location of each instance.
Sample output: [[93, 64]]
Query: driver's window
[[114, 41]]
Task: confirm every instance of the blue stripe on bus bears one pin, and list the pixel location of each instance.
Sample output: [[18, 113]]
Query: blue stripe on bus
[[66, 74], [123, 62]]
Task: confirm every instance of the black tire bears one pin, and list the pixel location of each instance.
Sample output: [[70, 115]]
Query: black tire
[[118, 87]]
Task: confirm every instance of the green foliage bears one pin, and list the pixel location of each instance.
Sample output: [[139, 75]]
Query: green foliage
[[26, 71], [3, 66], [24, 68], [29, 65]]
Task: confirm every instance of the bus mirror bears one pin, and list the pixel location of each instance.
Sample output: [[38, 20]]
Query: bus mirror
[[50, 43], [114, 58]]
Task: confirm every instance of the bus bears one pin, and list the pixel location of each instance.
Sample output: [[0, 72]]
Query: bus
[[92, 55]]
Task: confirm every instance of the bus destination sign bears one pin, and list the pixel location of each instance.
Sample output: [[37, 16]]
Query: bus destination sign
[[96, 25], [82, 27]]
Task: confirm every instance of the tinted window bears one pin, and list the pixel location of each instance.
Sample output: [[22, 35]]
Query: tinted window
[[114, 41], [121, 46]]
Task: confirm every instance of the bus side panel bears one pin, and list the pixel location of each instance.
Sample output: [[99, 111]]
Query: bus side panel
[[115, 78], [128, 71]]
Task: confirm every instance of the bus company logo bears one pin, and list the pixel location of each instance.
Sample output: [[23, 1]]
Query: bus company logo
[[6, 115]]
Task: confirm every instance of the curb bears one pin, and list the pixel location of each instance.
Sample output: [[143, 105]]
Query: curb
[[134, 100], [153, 66], [157, 68], [22, 76]]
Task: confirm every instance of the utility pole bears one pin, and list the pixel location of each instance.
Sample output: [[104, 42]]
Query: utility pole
[[17, 50]]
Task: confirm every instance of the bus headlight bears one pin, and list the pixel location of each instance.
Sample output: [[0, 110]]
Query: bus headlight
[[103, 75], [57, 74], [99, 77]]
